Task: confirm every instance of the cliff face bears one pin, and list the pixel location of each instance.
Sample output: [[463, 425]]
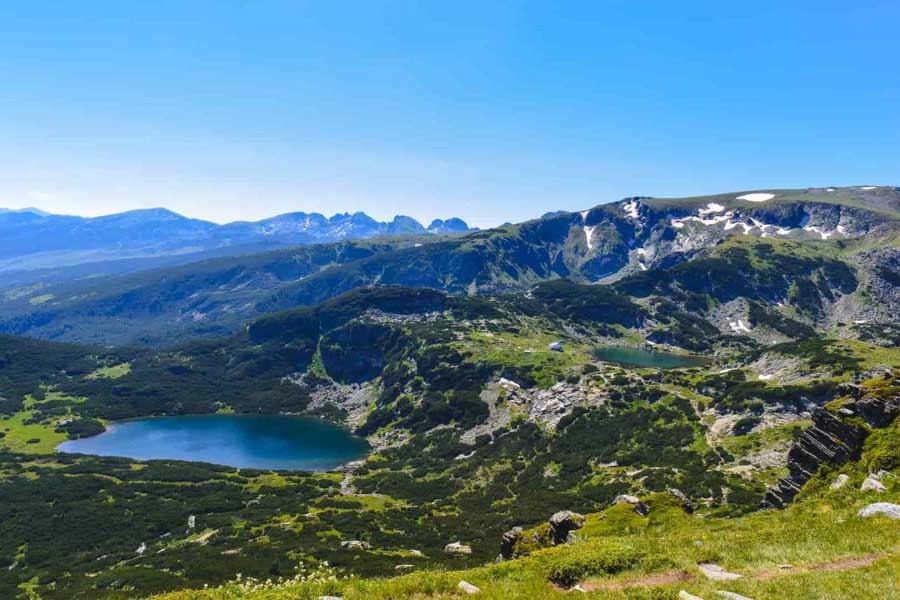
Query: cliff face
[[830, 440]]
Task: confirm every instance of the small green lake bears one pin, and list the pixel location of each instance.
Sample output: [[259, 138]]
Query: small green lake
[[642, 357], [246, 441]]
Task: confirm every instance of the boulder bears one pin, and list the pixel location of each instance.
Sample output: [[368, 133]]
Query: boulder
[[404, 568], [872, 485], [686, 503], [839, 482], [683, 595], [716, 573], [355, 545], [508, 542], [555, 346], [639, 507], [457, 548], [887, 509], [562, 524], [467, 588]]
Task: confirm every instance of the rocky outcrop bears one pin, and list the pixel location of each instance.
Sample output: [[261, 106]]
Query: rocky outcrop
[[640, 508], [830, 440], [508, 543], [686, 503], [562, 524]]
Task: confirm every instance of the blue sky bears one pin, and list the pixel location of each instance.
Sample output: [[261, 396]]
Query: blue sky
[[492, 111]]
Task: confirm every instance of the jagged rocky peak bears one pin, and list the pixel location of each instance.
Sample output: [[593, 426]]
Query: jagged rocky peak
[[451, 225]]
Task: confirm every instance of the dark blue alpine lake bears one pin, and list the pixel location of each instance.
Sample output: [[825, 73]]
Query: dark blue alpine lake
[[246, 441]]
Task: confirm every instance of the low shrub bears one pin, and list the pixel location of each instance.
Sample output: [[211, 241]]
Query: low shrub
[[605, 559]]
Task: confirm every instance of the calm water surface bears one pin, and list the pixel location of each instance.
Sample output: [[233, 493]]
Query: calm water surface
[[641, 357], [247, 441]]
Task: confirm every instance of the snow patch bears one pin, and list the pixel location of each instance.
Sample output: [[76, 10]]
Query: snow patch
[[868, 187], [739, 326], [631, 208], [712, 207], [584, 215], [756, 197], [766, 377], [588, 232]]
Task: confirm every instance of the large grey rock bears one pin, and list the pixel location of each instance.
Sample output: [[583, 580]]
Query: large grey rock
[[716, 573], [686, 503], [508, 542], [639, 507], [881, 508], [355, 545], [563, 523], [457, 548], [683, 595], [839, 482], [872, 485], [467, 588]]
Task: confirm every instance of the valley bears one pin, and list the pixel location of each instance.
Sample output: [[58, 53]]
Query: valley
[[680, 356]]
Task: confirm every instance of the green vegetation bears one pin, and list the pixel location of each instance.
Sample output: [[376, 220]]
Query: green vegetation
[[832, 553]]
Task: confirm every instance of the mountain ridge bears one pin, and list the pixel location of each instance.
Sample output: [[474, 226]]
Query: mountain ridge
[[32, 239], [599, 245]]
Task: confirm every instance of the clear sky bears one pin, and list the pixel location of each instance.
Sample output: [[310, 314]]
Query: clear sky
[[491, 111]]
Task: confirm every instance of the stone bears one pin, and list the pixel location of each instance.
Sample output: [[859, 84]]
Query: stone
[[686, 503], [626, 499], [872, 485], [555, 346], [467, 588], [355, 545], [683, 595], [563, 523], [329, 598], [457, 548], [405, 568], [716, 573], [892, 511], [732, 595], [508, 543], [839, 482], [639, 507]]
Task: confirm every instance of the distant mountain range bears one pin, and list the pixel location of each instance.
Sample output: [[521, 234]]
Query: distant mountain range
[[33, 239], [829, 254]]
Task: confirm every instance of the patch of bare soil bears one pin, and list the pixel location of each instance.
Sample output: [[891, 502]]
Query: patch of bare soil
[[666, 578]]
